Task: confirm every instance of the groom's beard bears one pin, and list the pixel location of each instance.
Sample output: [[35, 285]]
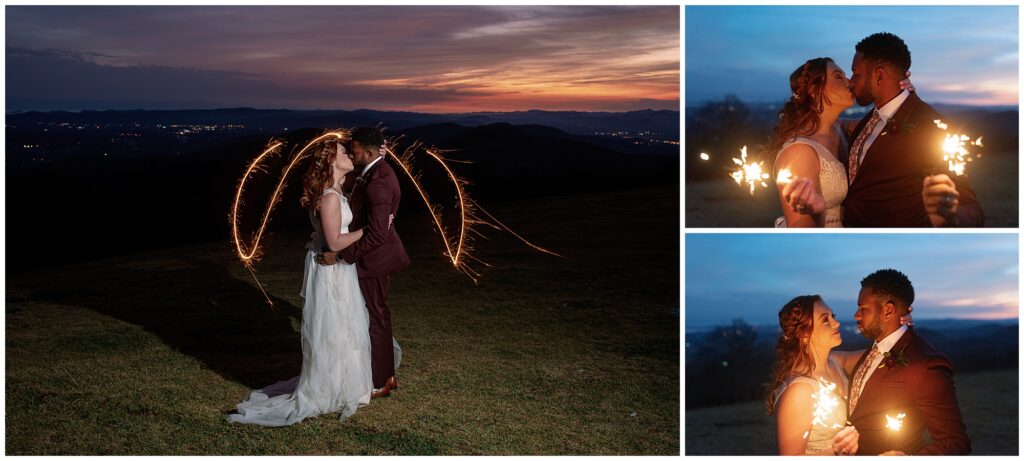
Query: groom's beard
[[873, 330]]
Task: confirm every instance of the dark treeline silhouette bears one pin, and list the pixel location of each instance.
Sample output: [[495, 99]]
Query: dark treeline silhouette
[[100, 198], [731, 363], [720, 128]]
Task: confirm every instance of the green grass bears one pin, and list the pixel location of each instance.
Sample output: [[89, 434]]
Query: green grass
[[143, 355], [988, 402]]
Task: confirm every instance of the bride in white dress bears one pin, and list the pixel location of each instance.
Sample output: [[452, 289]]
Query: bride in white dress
[[810, 140], [803, 376], [336, 375]]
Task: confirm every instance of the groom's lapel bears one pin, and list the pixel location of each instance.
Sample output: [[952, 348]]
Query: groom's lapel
[[867, 393], [887, 142]]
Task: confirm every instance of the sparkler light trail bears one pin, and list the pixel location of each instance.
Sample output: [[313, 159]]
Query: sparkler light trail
[[251, 254], [458, 248]]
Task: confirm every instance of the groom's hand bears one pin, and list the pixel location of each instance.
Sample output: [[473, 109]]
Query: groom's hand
[[327, 258], [941, 199]]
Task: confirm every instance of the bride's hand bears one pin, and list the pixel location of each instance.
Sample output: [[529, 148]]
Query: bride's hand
[[803, 197], [846, 441], [906, 85]]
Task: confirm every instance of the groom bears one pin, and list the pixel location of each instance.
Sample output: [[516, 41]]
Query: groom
[[901, 374], [379, 253], [895, 167]]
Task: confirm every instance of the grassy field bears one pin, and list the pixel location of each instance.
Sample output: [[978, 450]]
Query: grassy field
[[988, 402], [724, 204], [144, 355]]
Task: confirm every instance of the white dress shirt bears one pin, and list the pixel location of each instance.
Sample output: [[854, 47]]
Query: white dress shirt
[[885, 113], [884, 345], [367, 168]]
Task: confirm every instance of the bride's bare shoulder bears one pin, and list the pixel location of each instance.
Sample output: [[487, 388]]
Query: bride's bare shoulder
[[797, 157]]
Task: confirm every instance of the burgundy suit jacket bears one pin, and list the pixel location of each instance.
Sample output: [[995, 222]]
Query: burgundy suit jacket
[[887, 189], [374, 201], [924, 391]]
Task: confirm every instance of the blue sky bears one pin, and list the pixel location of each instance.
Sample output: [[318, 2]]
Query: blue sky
[[750, 276], [960, 54]]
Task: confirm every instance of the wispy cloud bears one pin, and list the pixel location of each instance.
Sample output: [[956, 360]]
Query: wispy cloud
[[444, 58]]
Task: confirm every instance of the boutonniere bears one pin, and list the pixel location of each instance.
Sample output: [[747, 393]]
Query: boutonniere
[[360, 180], [895, 359], [898, 128]]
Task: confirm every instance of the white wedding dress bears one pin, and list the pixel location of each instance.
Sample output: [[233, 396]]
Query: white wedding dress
[[819, 438], [831, 176], [336, 374]]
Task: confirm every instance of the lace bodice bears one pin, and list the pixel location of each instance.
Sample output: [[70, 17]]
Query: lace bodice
[[831, 176], [317, 242], [819, 438]]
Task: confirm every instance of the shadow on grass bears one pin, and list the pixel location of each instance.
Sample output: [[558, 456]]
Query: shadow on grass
[[196, 307]]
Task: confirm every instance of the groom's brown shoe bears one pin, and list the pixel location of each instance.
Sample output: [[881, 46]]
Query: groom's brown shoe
[[393, 383], [382, 392]]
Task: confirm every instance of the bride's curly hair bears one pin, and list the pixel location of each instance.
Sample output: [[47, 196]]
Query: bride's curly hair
[[802, 113], [320, 174], [792, 355]]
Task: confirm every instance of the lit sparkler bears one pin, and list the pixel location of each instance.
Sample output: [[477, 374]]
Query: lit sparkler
[[750, 173], [785, 177], [895, 424], [954, 149], [704, 156], [825, 401]]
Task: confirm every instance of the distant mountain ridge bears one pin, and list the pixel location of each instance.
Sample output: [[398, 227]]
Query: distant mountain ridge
[[664, 123]]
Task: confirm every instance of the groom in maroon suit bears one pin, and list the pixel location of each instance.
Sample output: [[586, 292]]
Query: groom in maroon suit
[[379, 253], [901, 374], [895, 167]]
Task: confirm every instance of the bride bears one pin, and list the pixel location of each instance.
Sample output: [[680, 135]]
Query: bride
[[809, 141], [804, 370], [336, 375]]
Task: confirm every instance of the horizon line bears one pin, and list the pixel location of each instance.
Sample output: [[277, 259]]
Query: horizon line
[[14, 111]]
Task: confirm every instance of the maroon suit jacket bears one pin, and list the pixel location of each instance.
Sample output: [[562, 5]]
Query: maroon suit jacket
[[887, 189], [374, 201], [924, 390]]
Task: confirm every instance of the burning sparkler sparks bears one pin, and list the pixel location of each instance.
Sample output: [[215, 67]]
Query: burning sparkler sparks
[[895, 424], [954, 149], [825, 401], [750, 173], [704, 156], [785, 177]]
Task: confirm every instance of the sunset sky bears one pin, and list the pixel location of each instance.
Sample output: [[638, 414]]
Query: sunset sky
[[750, 276], [960, 54], [425, 58]]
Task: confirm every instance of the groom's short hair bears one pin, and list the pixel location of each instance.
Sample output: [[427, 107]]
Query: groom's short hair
[[888, 49], [891, 283], [368, 136]]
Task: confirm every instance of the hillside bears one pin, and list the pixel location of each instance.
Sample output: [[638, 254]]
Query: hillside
[[144, 353]]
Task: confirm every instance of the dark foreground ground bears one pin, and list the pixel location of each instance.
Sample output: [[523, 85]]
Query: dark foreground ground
[[143, 354]]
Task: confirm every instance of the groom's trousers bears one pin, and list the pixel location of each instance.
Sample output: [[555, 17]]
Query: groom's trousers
[[382, 350]]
